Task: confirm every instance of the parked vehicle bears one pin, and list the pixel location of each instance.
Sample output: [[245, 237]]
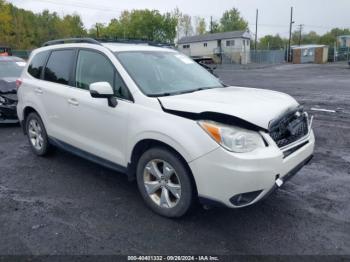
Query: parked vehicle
[[157, 116], [10, 70], [207, 63], [5, 51]]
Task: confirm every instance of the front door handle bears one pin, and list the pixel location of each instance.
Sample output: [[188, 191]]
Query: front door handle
[[73, 102], [38, 91]]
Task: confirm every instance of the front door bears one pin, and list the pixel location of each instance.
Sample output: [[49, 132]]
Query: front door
[[98, 128]]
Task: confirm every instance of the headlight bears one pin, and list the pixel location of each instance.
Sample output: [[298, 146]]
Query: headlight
[[233, 138]]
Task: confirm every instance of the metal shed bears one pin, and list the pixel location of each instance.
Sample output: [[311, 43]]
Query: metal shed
[[303, 54]]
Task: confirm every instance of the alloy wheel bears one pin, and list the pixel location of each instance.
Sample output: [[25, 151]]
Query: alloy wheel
[[35, 134], [162, 183]]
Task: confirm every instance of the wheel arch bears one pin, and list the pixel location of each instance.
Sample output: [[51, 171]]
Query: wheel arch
[[26, 111], [146, 144]]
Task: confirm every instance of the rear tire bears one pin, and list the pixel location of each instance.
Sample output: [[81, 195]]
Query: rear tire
[[37, 135], [164, 182]]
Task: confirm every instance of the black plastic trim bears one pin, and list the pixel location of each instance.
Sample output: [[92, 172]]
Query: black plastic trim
[[88, 156], [72, 40], [294, 149], [287, 177], [210, 202]]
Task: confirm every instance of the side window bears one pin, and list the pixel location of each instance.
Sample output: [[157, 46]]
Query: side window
[[94, 67], [36, 65], [59, 66]]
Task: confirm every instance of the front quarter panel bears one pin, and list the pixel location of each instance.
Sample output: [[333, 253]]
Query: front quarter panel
[[184, 135]]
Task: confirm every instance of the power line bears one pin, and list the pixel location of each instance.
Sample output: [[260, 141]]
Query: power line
[[80, 5]]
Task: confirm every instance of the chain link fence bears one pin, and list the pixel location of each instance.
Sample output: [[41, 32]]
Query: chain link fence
[[253, 57], [339, 54], [21, 53]]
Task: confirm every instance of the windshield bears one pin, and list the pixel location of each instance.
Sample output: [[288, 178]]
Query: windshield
[[11, 69], [166, 73]]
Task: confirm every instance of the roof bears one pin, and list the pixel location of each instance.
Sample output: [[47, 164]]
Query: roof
[[118, 47], [11, 59], [114, 47], [213, 37], [307, 46]]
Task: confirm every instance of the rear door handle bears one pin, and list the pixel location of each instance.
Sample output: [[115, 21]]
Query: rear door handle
[[73, 102], [38, 91]]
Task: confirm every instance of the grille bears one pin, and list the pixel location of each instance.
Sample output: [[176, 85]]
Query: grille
[[289, 128]]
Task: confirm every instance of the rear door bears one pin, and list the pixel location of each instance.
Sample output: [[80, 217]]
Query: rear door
[[98, 128], [54, 91]]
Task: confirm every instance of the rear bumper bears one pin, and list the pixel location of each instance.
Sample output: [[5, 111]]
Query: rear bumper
[[238, 180]]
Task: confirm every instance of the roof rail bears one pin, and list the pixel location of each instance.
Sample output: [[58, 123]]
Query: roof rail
[[72, 40], [133, 41]]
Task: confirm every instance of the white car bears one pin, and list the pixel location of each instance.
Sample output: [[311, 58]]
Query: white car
[[157, 116]]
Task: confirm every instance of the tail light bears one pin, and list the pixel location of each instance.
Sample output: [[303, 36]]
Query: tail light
[[18, 83]]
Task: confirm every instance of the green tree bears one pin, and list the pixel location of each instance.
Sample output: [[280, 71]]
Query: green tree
[[215, 27], [231, 20], [186, 25], [200, 26], [6, 23], [331, 37], [271, 42], [307, 38]]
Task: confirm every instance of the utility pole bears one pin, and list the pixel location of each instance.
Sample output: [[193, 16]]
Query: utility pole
[[256, 27], [211, 24], [300, 32], [290, 35], [97, 31]]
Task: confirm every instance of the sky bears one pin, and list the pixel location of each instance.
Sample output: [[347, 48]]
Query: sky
[[274, 15]]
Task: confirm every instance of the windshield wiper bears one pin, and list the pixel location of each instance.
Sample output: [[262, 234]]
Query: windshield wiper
[[184, 92], [199, 89], [161, 94]]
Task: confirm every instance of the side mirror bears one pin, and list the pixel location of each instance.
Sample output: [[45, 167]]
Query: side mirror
[[103, 90]]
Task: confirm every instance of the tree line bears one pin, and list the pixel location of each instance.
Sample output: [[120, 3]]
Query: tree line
[[23, 29], [274, 42]]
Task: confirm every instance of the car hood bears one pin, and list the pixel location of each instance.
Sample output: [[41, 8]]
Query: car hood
[[256, 106], [8, 85]]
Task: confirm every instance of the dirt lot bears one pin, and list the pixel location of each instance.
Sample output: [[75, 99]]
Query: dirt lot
[[66, 205]]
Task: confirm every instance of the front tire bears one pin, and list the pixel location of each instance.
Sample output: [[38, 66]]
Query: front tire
[[37, 135], [164, 182]]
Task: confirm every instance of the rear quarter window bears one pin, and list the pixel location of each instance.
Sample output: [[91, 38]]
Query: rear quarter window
[[37, 64]]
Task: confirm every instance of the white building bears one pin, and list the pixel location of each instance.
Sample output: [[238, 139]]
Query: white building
[[344, 41], [231, 47]]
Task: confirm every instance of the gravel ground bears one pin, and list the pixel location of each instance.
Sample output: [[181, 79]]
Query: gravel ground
[[66, 205]]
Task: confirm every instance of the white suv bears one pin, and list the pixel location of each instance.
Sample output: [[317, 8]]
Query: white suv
[[157, 116]]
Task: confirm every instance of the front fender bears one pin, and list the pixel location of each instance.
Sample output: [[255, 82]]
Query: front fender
[[183, 135]]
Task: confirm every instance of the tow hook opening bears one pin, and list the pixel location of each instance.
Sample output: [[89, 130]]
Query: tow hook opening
[[278, 181]]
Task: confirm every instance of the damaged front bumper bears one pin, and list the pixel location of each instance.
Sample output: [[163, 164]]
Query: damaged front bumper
[[8, 112], [238, 180]]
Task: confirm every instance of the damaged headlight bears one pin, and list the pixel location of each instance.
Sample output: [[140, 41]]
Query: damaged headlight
[[233, 138]]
